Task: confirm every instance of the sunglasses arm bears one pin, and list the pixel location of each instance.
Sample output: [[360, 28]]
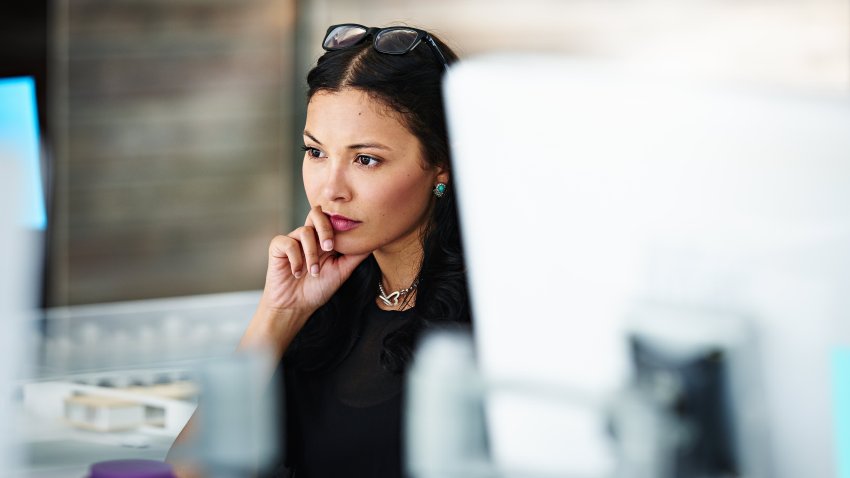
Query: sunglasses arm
[[437, 52]]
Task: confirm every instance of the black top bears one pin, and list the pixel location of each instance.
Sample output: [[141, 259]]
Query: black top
[[347, 421]]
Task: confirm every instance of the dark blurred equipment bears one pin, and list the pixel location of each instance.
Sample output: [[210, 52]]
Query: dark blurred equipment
[[692, 391], [24, 45], [695, 369]]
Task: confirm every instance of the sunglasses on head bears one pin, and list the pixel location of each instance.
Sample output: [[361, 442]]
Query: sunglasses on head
[[390, 40]]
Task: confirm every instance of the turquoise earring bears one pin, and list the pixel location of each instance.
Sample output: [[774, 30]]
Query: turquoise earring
[[440, 189]]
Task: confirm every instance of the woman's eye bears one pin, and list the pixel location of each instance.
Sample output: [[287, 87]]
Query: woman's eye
[[312, 152], [364, 160]]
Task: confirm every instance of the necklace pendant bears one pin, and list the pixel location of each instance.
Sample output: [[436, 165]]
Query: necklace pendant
[[390, 300]]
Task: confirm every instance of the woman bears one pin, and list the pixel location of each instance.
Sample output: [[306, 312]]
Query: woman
[[379, 257]]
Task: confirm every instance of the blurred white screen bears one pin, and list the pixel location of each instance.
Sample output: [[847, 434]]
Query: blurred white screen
[[580, 184]]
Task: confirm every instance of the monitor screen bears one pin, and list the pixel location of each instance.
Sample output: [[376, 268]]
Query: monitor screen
[[20, 142], [616, 190]]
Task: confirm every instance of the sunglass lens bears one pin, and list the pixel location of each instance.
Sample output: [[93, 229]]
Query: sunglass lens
[[398, 40], [343, 37]]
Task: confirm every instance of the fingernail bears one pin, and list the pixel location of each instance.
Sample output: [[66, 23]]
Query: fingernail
[[297, 274], [314, 269], [328, 245]]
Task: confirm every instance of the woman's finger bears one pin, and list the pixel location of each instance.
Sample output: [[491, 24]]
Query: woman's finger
[[286, 247], [324, 230], [310, 246]]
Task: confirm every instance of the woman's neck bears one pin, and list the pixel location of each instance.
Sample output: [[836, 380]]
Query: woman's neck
[[398, 272], [399, 265]]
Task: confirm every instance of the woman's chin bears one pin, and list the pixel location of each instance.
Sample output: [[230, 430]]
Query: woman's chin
[[345, 248]]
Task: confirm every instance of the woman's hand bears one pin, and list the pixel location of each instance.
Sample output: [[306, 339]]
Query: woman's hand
[[304, 271]]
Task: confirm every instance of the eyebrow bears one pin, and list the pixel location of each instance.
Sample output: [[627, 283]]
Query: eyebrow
[[353, 146]]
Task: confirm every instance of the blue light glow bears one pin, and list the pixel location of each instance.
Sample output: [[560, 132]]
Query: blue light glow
[[19, 141]]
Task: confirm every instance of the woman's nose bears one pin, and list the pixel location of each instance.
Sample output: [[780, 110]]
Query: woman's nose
[[336, 187]]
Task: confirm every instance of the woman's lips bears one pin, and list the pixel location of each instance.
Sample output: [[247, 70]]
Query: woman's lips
[[342, 223]]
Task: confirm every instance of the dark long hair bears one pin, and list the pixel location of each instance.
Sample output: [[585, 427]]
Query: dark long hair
[[410, 84]]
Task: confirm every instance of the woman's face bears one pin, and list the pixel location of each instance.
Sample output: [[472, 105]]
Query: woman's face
[[365, 171]]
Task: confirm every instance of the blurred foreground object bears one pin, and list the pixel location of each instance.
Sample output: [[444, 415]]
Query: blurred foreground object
[[664, 211], [444, 428], [234, 432], [237, 418], [21, 213], [677, 418], [14, 306]]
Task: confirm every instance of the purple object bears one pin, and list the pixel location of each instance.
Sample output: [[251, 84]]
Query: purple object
[[131, 469]]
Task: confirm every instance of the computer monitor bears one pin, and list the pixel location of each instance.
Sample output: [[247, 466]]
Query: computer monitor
[[587, 189], [20, 142], [22, 222]]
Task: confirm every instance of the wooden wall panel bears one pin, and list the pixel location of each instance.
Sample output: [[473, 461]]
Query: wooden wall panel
[[174, 159]]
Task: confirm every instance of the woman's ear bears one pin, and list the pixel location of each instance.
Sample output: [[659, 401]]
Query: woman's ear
[[442, 176]]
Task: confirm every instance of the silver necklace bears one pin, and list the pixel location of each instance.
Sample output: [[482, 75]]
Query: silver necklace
[[391, 299]]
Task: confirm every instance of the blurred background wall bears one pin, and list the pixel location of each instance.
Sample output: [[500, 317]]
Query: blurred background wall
[[171, 170], [174, 124], [779, 43]]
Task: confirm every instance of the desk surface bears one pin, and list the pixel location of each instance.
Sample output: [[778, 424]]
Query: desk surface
[[54, 450]]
